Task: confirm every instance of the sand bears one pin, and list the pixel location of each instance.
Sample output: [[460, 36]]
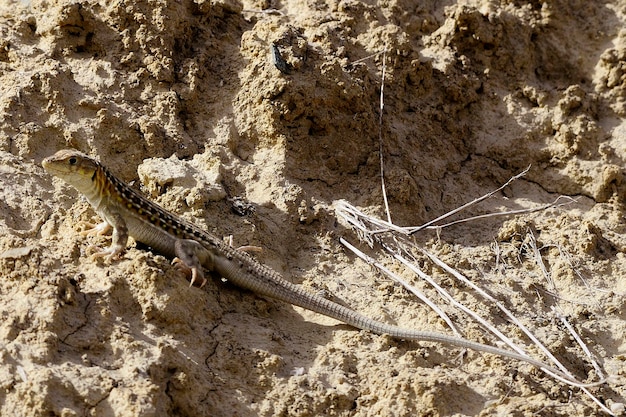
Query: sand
[[253, 119]]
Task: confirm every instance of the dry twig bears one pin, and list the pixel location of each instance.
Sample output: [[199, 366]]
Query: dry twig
[[396, 241]]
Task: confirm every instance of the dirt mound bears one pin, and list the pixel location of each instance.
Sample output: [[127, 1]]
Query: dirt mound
[[252, 119]]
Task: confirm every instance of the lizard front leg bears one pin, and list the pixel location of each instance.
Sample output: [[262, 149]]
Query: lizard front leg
[[120, 234]]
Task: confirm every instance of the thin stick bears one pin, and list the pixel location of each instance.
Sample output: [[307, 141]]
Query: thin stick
[[582, 344], [540, 263], [464, 206], [367, 57], [264, 11], [508, 213], [532, 244], [380, 136]]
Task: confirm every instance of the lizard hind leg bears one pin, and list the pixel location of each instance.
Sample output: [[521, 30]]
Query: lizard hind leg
[[188, 254]]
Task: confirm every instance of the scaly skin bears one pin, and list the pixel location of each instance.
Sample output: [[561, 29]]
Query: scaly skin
[[131, 214]]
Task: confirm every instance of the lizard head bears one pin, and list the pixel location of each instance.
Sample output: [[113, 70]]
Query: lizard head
[[75, 168]]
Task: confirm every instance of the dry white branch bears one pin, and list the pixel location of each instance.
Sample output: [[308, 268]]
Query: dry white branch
[[555, 203], [471, 203], [397, 241], [460, 305], [578, 339], [507, 312], [531, 245], [380, 137], [367, 225], [404, 283]]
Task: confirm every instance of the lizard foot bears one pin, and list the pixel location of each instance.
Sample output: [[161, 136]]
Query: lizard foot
[[193, 275], [111, 254], [94, 230]]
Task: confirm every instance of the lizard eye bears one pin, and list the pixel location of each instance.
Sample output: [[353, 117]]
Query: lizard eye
[[72, 161]]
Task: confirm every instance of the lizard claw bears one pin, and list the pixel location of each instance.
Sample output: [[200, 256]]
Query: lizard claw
[[110, 254], [194, 275]]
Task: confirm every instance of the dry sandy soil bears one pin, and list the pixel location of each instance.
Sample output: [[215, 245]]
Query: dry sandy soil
[[184, 100]]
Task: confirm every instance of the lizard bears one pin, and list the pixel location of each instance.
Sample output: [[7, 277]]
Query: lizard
[[129, 213]]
